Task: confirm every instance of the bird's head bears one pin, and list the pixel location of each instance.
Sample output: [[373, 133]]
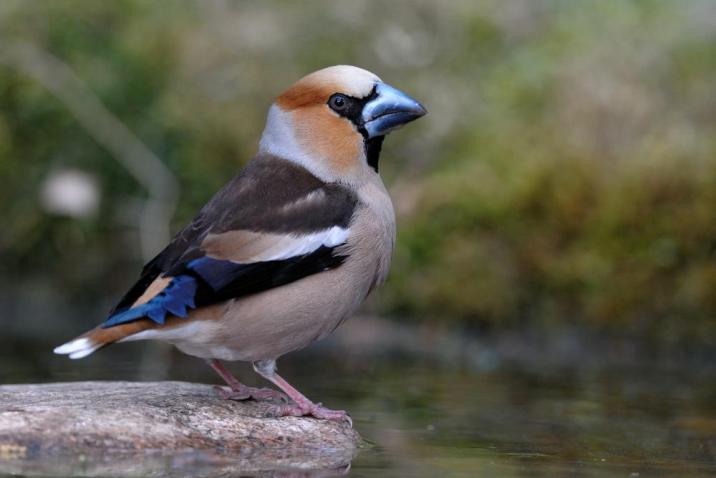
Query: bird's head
[[333, 121]]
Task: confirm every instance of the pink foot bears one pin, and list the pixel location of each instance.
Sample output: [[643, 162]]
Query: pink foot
[[309, 409], [250, 393]]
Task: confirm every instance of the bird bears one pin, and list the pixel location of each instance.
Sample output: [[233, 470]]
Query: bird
[[286, 251]]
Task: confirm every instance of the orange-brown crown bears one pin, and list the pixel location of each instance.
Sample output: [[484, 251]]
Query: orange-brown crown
[[318, 86]]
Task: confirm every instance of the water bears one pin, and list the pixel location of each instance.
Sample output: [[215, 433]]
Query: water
[[425, 417]]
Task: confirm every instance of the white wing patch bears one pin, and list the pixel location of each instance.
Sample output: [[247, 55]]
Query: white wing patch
[[245, 247], [300, 245]]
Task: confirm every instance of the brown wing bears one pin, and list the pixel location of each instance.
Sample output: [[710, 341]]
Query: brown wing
[[259, 212]]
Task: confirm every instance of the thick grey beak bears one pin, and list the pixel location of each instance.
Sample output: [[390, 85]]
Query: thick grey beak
[[389, 110]]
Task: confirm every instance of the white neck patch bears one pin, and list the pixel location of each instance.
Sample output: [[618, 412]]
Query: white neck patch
[[279, 139]]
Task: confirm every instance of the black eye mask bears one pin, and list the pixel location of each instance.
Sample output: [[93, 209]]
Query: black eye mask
[[352, 108]]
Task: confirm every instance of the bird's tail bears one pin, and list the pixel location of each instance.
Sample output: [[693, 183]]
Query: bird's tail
[[97, 338]]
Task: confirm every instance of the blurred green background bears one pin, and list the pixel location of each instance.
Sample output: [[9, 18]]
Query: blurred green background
[[565, 176]]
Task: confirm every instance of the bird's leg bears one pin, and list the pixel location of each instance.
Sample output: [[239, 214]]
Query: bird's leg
[[302, 406], [239, 391]]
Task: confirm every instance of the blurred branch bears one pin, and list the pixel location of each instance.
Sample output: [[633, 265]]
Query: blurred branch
[[149, 171]]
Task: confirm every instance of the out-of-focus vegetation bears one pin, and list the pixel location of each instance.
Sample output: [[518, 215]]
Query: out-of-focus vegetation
[[566, 172]]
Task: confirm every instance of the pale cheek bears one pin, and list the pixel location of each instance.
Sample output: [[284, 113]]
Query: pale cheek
[[329, 138]]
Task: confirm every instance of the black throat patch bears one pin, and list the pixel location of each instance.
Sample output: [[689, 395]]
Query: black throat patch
[[372, 150]]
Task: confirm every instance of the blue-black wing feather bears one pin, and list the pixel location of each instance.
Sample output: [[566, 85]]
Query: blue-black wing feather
[[206, 281]]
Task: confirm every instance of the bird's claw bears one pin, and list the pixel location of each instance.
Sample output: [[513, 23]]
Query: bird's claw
[[315, 410], [268, 394], [251, 393], [231, 394]]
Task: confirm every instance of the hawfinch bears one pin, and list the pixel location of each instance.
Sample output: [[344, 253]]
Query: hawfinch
[[283, 253]]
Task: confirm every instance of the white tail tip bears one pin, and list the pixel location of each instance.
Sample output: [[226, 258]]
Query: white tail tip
[[77, 349]]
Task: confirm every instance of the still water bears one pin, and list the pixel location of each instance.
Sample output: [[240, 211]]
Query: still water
[[439, 414]]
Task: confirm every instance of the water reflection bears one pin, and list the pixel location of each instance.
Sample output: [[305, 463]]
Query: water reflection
[[187, 463], [424, 418]]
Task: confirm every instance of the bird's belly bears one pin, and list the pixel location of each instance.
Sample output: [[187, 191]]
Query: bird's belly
[[292, 318]]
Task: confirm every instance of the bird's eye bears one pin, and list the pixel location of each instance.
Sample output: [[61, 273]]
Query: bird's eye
[[338, 102]]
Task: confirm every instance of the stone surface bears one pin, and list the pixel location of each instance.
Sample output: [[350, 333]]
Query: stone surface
[[101, 428]]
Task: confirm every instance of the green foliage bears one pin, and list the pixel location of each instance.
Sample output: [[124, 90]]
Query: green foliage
[[561, 240]]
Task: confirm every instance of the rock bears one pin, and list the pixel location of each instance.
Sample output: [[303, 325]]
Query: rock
[[159, 429]]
